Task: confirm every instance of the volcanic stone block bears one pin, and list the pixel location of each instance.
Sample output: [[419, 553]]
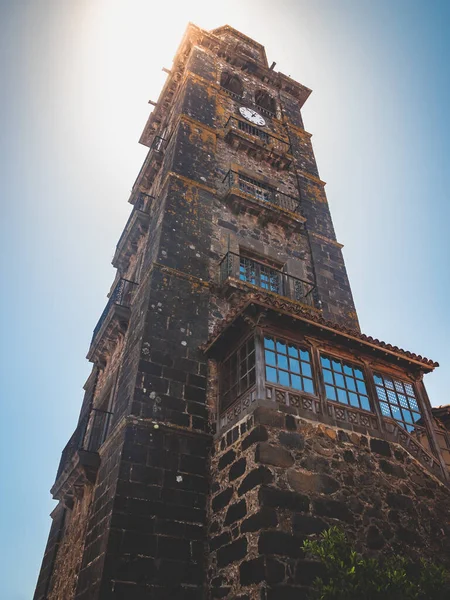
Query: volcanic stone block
[[335, 509], [252, 571], [307, 525], [273, 455], [236, 512], [273, 497], [321, 483], [256, 477], [237, 469], [264, 519], [292, 440], [222, 499], [258, 434], [380, 447], [232, 552], [281, 543]]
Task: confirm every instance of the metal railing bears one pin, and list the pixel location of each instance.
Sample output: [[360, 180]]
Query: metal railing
[[121, 296], [273, 142], [230, 93], [143, 204], [265, 277], [261, 191], [158, 144], [89, 435]]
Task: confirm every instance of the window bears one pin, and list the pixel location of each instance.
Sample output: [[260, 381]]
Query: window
[[344, 383], [288, 364], [265, 101], [238, 373], [257, 189], [231, 83], [260, 275], [397, 400]]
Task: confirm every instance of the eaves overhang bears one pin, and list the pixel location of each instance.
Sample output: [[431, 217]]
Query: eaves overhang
[[257, 303]]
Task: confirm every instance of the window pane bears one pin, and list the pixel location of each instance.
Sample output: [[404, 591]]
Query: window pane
[[342, 396], [339, 379], [281, 347], [308, 385], [282, 361], [269, 343], [385, 409], [365, 404], [337, 366], [293, 351], [361, 387], [331, 393], [271, 374], [381, 393], [328, 377], [378, 380], [325, 362], [283, 378], [306, 369], [294, 365], [353, 399], [304, 355], [359, 374], [296, 382], [348, 370], [350, 383], [270, 358], [413, 404], [409, 389]]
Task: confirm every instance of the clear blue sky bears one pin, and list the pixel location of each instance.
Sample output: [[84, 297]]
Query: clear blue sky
[[76, 77]]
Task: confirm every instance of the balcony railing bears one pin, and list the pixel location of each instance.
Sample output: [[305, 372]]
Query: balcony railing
[[232, 94], [262, 276], [158, 144], [89, 435], [261, 191], [270, 141], [120, 296], [141, 208]]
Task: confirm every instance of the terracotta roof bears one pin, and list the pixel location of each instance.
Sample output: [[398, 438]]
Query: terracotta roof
[[304, 312]]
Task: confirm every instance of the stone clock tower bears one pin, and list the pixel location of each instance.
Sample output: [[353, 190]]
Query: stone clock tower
[[234, 406]]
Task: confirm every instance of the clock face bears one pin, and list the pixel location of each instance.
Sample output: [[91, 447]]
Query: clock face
[[252, 116]]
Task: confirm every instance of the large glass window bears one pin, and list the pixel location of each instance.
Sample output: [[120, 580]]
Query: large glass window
[[397, 400], [288, 364], [260, 275], [344, 383], [238, 373]]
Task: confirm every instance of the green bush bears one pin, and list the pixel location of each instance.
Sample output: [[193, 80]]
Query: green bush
[[349, 576]]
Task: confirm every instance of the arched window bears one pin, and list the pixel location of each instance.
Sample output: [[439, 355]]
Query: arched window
[[232, 83], [265, 100]]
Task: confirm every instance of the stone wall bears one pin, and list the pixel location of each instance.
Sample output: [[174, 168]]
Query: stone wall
[[278, 479]]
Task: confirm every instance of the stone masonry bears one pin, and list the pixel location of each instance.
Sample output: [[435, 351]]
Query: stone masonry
[[234, 406]]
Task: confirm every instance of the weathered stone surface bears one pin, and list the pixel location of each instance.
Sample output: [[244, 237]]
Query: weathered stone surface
[[264, 519], [256, 477], [257, 434], [252, 571], [380, 447], [295, 441], [232, 552], [271, 496], [334, 509], [302, 481], [226, 459], [222, 499], [307, 525], [237, 469], [279, 542], [273, 455], [236, 512]]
